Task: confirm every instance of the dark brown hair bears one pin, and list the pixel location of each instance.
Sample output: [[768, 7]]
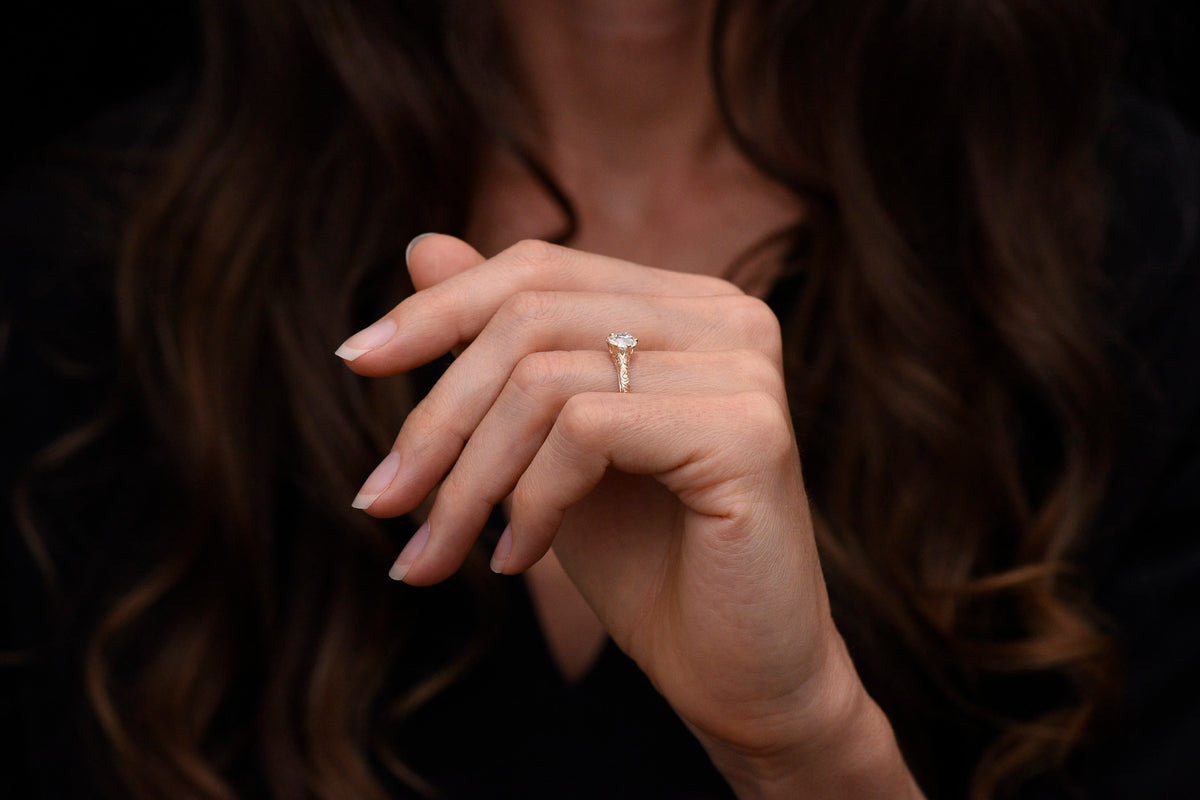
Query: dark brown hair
[[937, 318], [948, 371]]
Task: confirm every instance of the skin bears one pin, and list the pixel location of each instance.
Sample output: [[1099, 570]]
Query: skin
[[677, 511]]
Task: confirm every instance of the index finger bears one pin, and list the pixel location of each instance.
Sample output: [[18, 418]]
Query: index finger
[[455, 310]]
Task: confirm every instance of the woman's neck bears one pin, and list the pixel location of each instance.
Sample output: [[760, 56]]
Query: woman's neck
[[620, 87], [619, 106]]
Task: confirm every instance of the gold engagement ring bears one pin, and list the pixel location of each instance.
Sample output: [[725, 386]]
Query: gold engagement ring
[[620, 347]]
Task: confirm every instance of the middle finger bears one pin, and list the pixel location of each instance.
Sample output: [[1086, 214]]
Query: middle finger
[[434, 433], [516, 426]]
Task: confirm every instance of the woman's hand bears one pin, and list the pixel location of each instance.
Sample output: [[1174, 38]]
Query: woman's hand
[[678, 509]]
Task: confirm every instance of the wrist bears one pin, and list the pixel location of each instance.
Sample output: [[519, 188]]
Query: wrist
[[837, 744]]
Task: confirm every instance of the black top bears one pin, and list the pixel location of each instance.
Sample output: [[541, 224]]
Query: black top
[[511, 727], [1145, 552]]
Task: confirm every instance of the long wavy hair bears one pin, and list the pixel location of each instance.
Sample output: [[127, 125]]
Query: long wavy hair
[[938, 316]]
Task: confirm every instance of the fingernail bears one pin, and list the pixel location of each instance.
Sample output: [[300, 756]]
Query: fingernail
[[377, 481], [503, 548], [410, 553], [408, 250], [367, 340]]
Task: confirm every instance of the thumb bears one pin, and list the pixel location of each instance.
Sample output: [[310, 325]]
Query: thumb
[[433, 257]]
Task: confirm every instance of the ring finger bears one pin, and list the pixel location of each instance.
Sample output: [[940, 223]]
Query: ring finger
[[434, 433], [508, 437]]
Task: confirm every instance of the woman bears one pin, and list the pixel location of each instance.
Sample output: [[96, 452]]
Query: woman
[[876, 231]]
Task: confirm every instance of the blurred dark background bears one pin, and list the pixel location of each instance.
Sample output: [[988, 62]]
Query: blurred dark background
[[63, 62], [1162, 51]]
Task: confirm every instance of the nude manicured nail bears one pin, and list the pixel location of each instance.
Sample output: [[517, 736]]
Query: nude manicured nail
[[377, 481], [410, 553], [408, 250], [503, 548], [367, 340]]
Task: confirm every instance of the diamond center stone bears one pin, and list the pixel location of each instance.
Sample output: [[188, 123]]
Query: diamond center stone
[[622, 341]]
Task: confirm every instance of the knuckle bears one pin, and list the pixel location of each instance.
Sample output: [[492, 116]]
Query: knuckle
[[421, 418], [538, 372], [467, 495], [442, 304], [523, 497], [765, 427], [757, 370], [712, 285], [525, 308], [759, 325], [583, 419], [535, 254], [426, 422]]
